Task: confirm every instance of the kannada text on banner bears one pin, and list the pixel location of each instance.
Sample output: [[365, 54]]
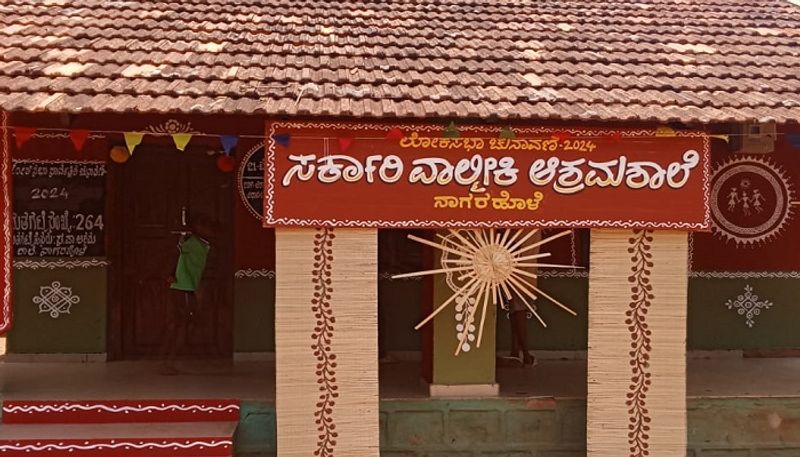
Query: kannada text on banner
[[348, 174]]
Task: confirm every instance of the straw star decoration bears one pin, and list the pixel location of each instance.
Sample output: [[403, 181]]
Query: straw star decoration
[[492, 265]]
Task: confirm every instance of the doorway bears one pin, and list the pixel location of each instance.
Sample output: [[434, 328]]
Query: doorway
[[156, 193]]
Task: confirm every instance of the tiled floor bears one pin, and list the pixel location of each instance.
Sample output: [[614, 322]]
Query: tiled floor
[[729, 377]]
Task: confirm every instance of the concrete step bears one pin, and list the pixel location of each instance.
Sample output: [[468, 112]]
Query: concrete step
[[119, 411], [160, 439]]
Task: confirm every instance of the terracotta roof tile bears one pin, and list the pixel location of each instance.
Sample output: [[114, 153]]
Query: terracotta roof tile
[[657, 60]]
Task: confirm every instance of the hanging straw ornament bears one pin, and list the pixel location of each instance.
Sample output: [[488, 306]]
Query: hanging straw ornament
[[493, 266]]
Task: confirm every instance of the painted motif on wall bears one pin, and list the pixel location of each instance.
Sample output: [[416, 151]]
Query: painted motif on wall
[[55, 299], [748, 305], [751, 200], [753, 207], [59, 208], [419, 176]]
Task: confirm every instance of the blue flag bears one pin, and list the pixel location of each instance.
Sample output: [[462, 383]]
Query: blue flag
[[228, 142], [282, 139]]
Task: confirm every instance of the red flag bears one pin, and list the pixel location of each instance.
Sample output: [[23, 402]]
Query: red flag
[[395, 134], [22, 135], [616, 136], [79, 138], [345, 143], [561, 136]]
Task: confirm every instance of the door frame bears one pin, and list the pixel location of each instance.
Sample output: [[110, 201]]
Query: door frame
[[115, 238]]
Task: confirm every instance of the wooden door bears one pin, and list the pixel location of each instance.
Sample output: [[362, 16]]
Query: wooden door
[[159, 189]]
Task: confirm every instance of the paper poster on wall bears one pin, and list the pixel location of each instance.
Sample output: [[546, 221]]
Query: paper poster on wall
[[424, 176]]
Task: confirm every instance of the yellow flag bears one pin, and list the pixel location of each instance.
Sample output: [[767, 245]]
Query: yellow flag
[[133, 139], [724, 138], [181, 140], [665, 131]]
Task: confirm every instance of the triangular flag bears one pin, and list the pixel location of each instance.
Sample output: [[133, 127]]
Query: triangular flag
[[507, 133], [616, 136], [724, 138], [665, 131], [395, 134], [451, 131], [229, 142], [345, 143], [181, 140], [78, 138], [794, 139], [282, 139], [133, 139], [561, 136], [22, 135]]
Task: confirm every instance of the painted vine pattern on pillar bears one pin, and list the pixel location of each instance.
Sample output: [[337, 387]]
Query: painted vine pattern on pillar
[[636, 320], [323, 337], [5, 231]]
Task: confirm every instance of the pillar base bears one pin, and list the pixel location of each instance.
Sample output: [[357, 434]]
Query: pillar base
[[464, 390]]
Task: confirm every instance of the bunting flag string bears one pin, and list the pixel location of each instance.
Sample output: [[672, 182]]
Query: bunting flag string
[[181, 140], [451, 131], [228, 142], [345, 143], [133, 139], [22, 135], [395, 134], [665, 131], [79, 138], [507, 133], [282, 139], [794, 140], [561, 136]]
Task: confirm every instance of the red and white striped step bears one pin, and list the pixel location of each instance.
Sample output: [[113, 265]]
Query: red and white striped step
[[116, 411], [119, 428]]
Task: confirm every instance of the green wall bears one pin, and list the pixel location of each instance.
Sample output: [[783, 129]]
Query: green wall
[[83, 330], [399, 304], [564, 332], [254, 315], [711, 325]]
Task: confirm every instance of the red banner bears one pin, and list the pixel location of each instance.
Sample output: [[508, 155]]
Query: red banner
[[6, 236], [424, 175]]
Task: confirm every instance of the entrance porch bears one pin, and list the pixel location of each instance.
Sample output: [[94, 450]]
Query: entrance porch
[[540, 411]]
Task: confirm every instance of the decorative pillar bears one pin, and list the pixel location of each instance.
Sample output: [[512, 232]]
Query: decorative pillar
[[6, 234], [636, 403], [326, 342]]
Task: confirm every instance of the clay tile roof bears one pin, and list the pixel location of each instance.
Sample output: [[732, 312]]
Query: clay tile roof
[[605, 60]]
